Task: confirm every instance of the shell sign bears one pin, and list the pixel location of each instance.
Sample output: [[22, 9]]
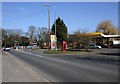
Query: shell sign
[[53, 37], [53, 42]]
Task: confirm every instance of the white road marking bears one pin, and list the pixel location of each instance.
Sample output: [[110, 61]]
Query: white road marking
[[31, 53]]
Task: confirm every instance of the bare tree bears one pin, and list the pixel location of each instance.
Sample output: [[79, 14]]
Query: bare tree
[[42, 36], [10, 36], [82, 39], [118, 32], [12, 32], [79, 37], [107, 28], [31, 32]]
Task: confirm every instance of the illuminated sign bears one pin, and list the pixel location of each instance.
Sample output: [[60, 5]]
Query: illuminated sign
[[53, 42]]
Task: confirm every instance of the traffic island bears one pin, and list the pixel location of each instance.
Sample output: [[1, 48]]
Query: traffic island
[[71, 52]]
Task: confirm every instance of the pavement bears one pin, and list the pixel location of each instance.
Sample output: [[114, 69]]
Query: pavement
[[0, 66], [14, 70]]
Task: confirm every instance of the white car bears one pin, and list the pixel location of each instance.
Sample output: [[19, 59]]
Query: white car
[[94, 46], [6, 48]]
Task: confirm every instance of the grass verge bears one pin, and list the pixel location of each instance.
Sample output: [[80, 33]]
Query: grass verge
[[63, 52]]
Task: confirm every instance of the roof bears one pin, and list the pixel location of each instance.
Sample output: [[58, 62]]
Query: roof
[[99, 34], [94, 34]]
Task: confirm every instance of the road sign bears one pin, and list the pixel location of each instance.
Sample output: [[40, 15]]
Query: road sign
[[53, 42]]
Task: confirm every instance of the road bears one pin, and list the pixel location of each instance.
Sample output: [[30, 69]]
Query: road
[[55, 68]]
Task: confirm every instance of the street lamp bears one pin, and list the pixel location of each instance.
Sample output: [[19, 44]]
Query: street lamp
[[55, 26], [47, 5]]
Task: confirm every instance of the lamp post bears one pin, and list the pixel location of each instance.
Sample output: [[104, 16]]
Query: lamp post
[[47, 5], [55, 26]]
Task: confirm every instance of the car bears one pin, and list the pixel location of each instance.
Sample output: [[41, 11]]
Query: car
[[6, 48], [29, 47], [94, 46], [17, 47]]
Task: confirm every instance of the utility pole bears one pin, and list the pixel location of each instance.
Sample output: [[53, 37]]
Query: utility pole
[[55, 26], [48, 24]]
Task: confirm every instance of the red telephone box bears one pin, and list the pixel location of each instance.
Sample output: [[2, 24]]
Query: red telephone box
[[64, 45]]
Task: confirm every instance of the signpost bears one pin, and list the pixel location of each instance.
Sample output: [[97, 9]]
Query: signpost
[[53, 42]]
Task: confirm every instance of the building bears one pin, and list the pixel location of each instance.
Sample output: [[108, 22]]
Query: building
[[111, 40], [99, 39]]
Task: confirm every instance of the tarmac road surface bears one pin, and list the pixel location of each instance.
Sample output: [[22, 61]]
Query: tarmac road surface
[[64, 69]]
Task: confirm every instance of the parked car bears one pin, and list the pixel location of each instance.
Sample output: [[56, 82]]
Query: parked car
[[6, 48], [30, 47], [94, 46]]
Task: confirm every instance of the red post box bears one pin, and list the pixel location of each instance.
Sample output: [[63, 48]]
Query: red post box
[[64, 45]]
